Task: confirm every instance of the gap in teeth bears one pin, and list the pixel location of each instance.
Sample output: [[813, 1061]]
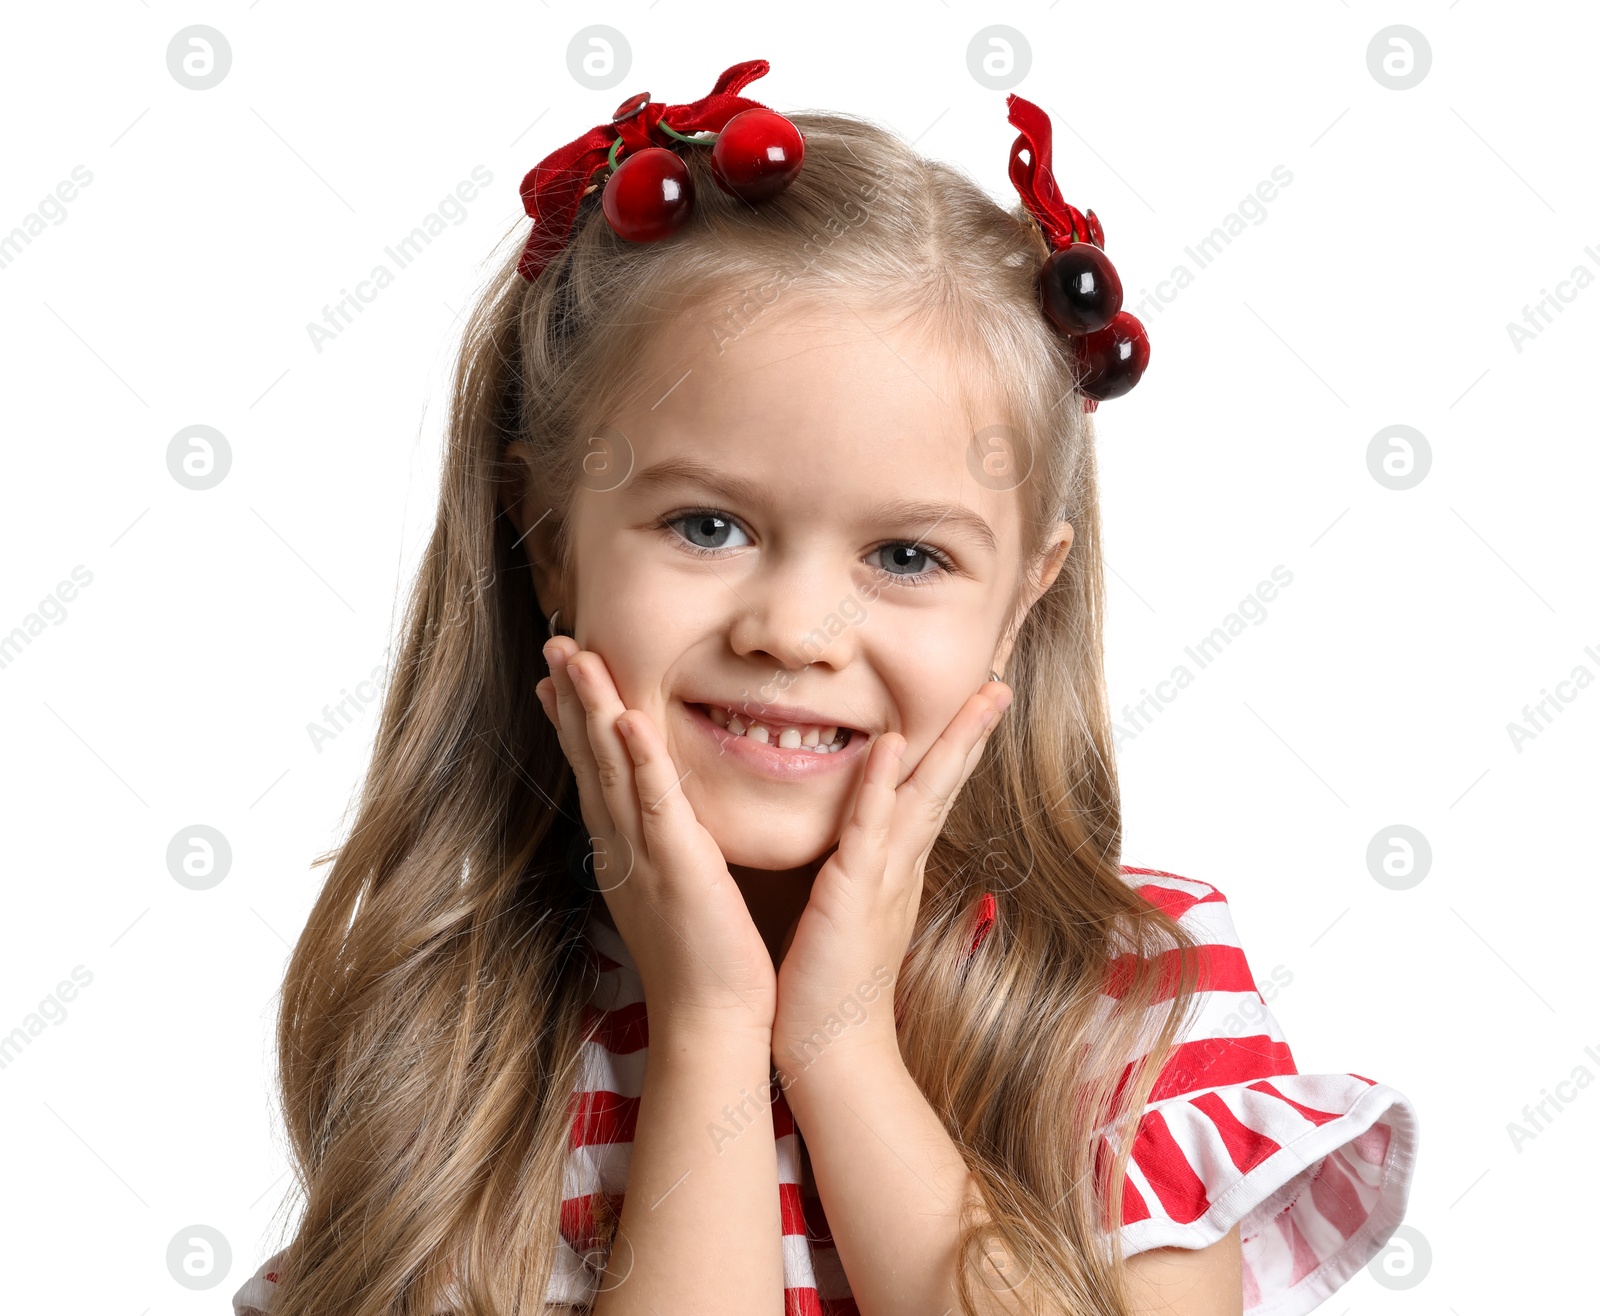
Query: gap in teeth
[[821, 740]]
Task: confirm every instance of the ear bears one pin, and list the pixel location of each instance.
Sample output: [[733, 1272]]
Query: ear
[[535, 525], [1045, 570]]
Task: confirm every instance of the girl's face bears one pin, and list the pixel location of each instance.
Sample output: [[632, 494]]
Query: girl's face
[[791, 528]]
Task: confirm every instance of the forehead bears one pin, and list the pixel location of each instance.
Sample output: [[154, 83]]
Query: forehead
[[825, 398]]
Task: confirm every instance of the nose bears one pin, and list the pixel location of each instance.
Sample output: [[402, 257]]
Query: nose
[[796, 613]]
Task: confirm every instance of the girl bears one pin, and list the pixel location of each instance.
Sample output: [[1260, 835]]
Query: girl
[[704, 876]]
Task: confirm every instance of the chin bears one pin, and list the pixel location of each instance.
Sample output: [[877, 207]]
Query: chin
[[746, 848]]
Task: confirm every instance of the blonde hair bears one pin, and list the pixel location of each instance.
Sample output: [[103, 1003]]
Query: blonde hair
[[432, 1015]]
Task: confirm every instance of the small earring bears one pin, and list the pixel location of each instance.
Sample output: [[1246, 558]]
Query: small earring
[[994, 676], [552, 626]]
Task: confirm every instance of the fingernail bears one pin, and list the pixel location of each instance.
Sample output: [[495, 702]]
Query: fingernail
[[575, 674]]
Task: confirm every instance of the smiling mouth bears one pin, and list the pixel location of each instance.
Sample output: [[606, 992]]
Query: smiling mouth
[[803, 738]]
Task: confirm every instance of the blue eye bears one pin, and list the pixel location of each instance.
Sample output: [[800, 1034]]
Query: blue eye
[[713, 525], [915, 551]]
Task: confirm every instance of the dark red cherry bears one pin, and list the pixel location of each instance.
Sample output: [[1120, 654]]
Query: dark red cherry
[[1079, 289], [1111, 361], [648, 195], [757, 154]]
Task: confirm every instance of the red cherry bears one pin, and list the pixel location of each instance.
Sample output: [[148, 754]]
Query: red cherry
[[1111, 361], [649, 195], [757, 154], [1079, 289]]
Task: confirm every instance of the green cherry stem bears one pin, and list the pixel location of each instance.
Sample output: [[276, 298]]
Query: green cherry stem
[[610, 165], [704, 139]]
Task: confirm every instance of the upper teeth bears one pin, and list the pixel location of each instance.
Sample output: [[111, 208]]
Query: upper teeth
[[818, 738]]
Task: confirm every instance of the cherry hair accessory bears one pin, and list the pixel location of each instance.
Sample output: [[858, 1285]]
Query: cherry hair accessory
[[983, 922], [1079, 290], [648, 192]]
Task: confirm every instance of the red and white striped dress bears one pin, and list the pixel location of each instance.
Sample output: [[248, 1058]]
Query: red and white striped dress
[[1316, 1168]]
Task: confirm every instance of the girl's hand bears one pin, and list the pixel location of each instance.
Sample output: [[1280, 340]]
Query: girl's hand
[[700, 956], [846, 950]]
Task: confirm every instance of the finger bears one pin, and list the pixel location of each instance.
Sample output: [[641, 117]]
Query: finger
[[667, 821], [602, 706], [572, 729], [864, 842], [944, 769], [990, 720]]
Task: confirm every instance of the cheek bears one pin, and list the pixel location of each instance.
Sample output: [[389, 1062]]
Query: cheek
[[931, 663], [643, 622]]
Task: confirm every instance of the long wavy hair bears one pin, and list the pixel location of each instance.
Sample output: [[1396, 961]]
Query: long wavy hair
[[432, 1015]]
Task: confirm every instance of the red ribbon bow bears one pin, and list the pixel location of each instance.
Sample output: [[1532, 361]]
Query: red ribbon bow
[[1063, 224], [552, 189]]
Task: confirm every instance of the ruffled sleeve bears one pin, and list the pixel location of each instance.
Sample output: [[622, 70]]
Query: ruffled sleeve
[[1314, 1168]]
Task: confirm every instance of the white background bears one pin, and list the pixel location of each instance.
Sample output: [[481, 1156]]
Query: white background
[[178, 688]]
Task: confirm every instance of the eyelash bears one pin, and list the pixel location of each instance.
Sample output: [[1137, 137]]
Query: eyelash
[[946, 566]]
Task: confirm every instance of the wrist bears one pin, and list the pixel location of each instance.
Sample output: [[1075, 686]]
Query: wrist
[[735, 1036], [804, 1061]]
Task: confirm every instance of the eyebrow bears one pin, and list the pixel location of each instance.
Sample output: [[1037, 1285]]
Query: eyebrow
[[686, 470]]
